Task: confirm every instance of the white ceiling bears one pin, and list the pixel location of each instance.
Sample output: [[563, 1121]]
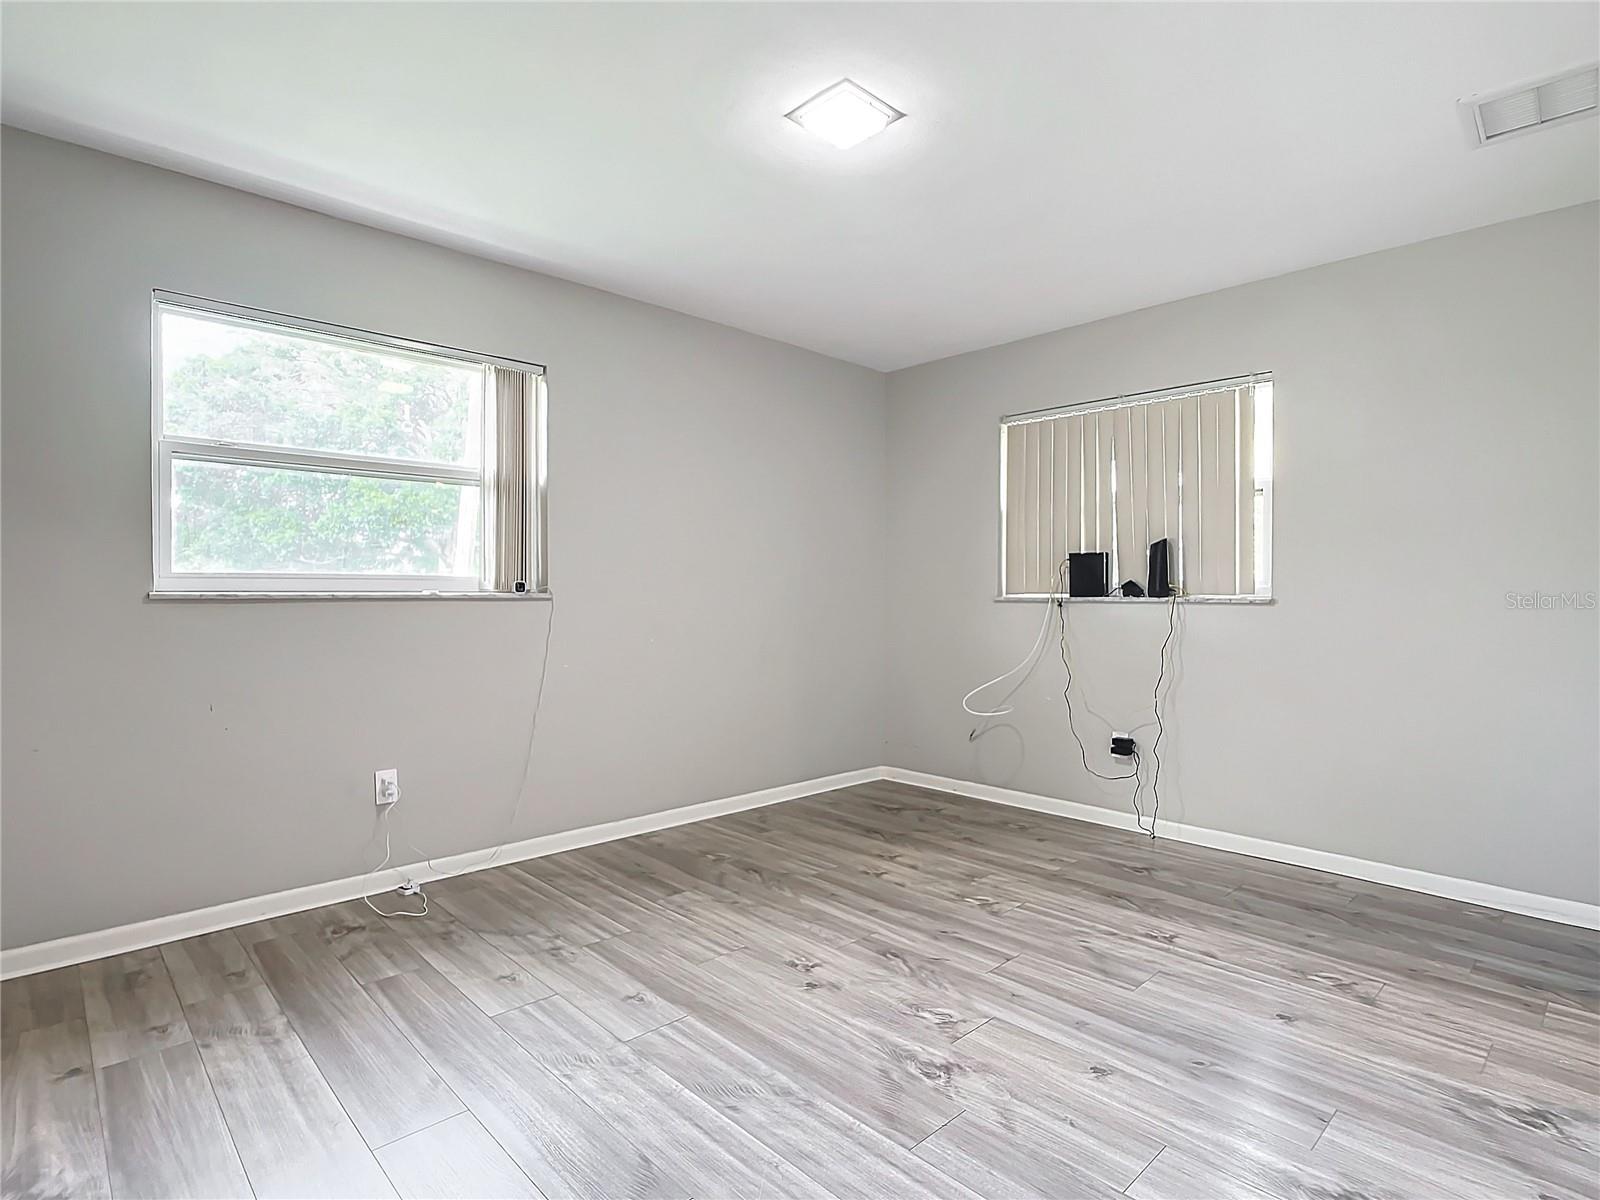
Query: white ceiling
[[1058, 163]]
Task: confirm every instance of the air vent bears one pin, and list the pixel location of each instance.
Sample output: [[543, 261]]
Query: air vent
[[1494, 116]]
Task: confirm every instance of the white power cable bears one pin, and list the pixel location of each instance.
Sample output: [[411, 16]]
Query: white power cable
[[1038, 643], [388, 853], [516, 809], [1055, 601]]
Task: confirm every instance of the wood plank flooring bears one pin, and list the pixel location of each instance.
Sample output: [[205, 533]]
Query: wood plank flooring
[[876, 992]]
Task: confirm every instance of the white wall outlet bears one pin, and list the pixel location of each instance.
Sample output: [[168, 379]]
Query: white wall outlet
[[386, 786]]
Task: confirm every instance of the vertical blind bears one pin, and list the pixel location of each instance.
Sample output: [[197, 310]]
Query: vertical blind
[[1119, 476], [513, 403]]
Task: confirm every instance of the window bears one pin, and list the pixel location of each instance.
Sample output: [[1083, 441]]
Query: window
[[297, 457], [1192, 465]]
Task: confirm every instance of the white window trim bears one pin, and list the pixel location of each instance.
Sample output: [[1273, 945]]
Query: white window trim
[[1263, 594], [169, 584]]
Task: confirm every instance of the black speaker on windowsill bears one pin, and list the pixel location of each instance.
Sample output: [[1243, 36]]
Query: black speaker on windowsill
[[1088, 573], [1160, 582]]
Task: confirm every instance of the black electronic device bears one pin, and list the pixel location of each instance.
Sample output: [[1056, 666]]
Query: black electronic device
[[1159, 583], [1088, 572]]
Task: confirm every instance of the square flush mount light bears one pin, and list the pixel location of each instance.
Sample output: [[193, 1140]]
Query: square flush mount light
[[845, 114]]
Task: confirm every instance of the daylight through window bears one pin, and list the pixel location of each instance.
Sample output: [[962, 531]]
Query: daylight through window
[[297, 457]]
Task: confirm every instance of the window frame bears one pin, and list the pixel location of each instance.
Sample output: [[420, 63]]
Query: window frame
[[165, 449], [1264, 586]]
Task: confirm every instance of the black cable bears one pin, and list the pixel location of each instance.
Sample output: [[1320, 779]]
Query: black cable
[[1138, 787], [1155, 700], [1066, 692], [1155, 703]]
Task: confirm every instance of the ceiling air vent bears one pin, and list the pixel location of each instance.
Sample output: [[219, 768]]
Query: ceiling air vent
[[1495, 116]]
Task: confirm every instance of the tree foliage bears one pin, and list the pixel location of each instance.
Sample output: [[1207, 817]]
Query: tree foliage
[[284, 391]]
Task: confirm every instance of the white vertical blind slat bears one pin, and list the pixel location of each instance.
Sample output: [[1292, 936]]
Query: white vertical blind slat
[[1016, 503], [1091, 483], [1105, 519], [1132, 527], [1191, 495], [1139, 451], [1030, 533], [1074, 488], [1219, 495], [1168, 416], [1244, 485], [1047, 496], [1062, 534]]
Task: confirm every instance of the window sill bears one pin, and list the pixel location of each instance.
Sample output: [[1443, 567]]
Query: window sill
[[1138, 599], [176, 595]]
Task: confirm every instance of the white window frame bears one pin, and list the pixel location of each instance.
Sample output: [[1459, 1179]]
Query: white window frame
[[1263, 593], [165, 449]]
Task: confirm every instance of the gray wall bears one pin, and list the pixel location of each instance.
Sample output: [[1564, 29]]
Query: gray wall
[[729, 568], [717, 535], [1436, 413]]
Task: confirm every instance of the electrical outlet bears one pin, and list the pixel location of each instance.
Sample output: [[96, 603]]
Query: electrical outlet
[[386, 786], [1123, 745]]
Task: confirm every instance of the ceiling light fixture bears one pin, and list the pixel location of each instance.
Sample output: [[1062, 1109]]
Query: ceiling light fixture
[[845, 114]]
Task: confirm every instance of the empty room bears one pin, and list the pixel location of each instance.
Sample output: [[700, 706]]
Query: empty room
[[709, 601]]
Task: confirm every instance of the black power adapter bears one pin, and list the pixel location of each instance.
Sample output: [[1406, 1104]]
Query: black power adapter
[[1122, 746]]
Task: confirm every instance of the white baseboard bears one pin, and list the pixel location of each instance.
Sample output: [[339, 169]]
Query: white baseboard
[[1550, 908], [84, 947]]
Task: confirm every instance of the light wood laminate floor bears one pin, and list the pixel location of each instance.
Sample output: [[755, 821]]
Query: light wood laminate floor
[[880, 992]]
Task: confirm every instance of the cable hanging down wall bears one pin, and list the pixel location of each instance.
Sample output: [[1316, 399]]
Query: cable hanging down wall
[[1055, 610], [516, 809]]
